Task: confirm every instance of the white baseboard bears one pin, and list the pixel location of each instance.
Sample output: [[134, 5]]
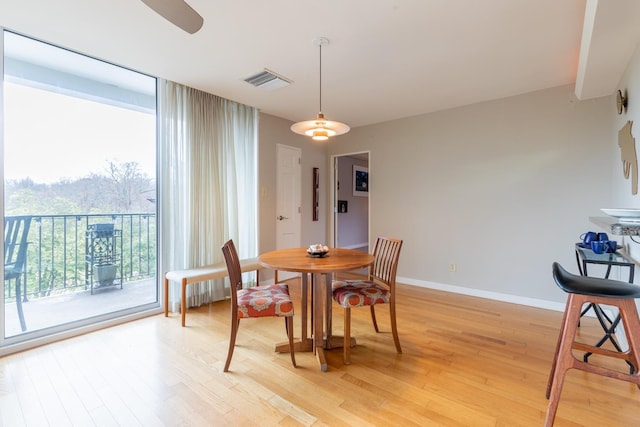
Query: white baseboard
[[356, 246], [514, 299]]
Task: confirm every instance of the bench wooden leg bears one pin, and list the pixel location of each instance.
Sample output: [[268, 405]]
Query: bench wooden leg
[[166, 297], [183, 302]]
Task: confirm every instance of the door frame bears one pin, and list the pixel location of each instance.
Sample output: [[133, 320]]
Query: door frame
[[333, 202]]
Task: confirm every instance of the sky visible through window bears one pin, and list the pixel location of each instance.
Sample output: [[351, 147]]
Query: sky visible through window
[[50, 137]]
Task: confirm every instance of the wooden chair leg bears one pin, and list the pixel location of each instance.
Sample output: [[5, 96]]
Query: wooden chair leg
[[235, 323], [394, 326], [289, 327], [347, 337], [328, 307], [373, 318], [564, 359]]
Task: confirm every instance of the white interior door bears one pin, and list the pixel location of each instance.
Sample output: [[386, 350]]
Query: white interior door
[[288, 200]]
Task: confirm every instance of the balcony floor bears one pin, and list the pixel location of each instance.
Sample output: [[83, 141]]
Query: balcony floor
[[40, 313]]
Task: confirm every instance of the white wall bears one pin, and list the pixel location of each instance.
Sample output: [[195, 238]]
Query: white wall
[[502, 189]]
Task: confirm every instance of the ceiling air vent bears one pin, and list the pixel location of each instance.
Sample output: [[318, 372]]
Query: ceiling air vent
[[267, 80]]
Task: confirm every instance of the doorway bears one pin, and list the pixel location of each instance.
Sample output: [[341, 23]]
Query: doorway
[[288, 200], [351, 201]]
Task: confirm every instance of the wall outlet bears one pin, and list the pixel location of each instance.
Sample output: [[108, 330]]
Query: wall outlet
[[452, 267]]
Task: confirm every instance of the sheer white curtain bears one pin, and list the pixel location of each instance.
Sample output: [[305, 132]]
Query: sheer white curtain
[[208, 169]]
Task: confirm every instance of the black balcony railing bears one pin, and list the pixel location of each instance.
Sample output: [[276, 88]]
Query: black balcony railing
[[58, 261]]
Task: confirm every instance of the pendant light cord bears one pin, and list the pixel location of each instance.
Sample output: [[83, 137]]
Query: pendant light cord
[[320, 45]]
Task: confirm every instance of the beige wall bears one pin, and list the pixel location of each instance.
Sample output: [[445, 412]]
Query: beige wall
[[502, 189]]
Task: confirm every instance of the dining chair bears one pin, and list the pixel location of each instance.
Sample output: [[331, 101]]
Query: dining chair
[[257, 301], [379, 288]]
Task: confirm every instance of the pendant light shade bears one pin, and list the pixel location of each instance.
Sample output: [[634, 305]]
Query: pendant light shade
[[320, 129]]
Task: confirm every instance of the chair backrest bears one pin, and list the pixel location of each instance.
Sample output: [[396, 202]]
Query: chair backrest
[[16, 232], [233, 267], [386, 253]]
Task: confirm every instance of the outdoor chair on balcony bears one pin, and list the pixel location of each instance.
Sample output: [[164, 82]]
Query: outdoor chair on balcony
[[16, 231]]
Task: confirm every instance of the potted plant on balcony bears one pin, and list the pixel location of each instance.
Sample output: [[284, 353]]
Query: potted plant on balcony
[[105, 273]]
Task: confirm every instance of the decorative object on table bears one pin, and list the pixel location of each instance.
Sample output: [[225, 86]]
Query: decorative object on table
[[318, 250], [628, 155], [599, 247], [257, 301], [343, 206], [583, 290], [360, 181], [588, 237], [621, 101], [612, 246], [320, 129], [598, 242], [379, 288]]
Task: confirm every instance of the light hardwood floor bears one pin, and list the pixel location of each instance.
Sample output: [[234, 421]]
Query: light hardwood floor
[[466, 362]]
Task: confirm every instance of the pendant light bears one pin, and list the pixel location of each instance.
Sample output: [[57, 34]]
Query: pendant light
[[320, 129]]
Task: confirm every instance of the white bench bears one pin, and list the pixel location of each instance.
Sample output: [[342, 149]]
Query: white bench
[[200, 274]]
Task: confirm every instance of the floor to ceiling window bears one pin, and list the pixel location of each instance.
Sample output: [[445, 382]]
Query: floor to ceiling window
[[79, 205]]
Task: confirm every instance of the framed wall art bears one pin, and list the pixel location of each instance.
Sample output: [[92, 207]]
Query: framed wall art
[[316, 193], [360, 181]]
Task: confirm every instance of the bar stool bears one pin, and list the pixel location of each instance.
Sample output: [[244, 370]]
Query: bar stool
[[584, 290]]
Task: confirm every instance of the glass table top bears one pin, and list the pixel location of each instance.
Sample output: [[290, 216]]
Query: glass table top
[[617, 257]]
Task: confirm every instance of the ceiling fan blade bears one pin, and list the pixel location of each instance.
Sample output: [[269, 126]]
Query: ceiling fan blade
[[177, 12]]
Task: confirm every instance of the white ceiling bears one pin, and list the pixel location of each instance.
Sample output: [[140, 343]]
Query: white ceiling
[[386, 59]]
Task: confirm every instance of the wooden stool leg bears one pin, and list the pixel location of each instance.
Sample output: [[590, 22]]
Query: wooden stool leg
[[559, 341], [564, 359], [631, 322]]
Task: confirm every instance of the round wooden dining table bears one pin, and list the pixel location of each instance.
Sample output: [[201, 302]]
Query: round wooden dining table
[[297, 260]]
